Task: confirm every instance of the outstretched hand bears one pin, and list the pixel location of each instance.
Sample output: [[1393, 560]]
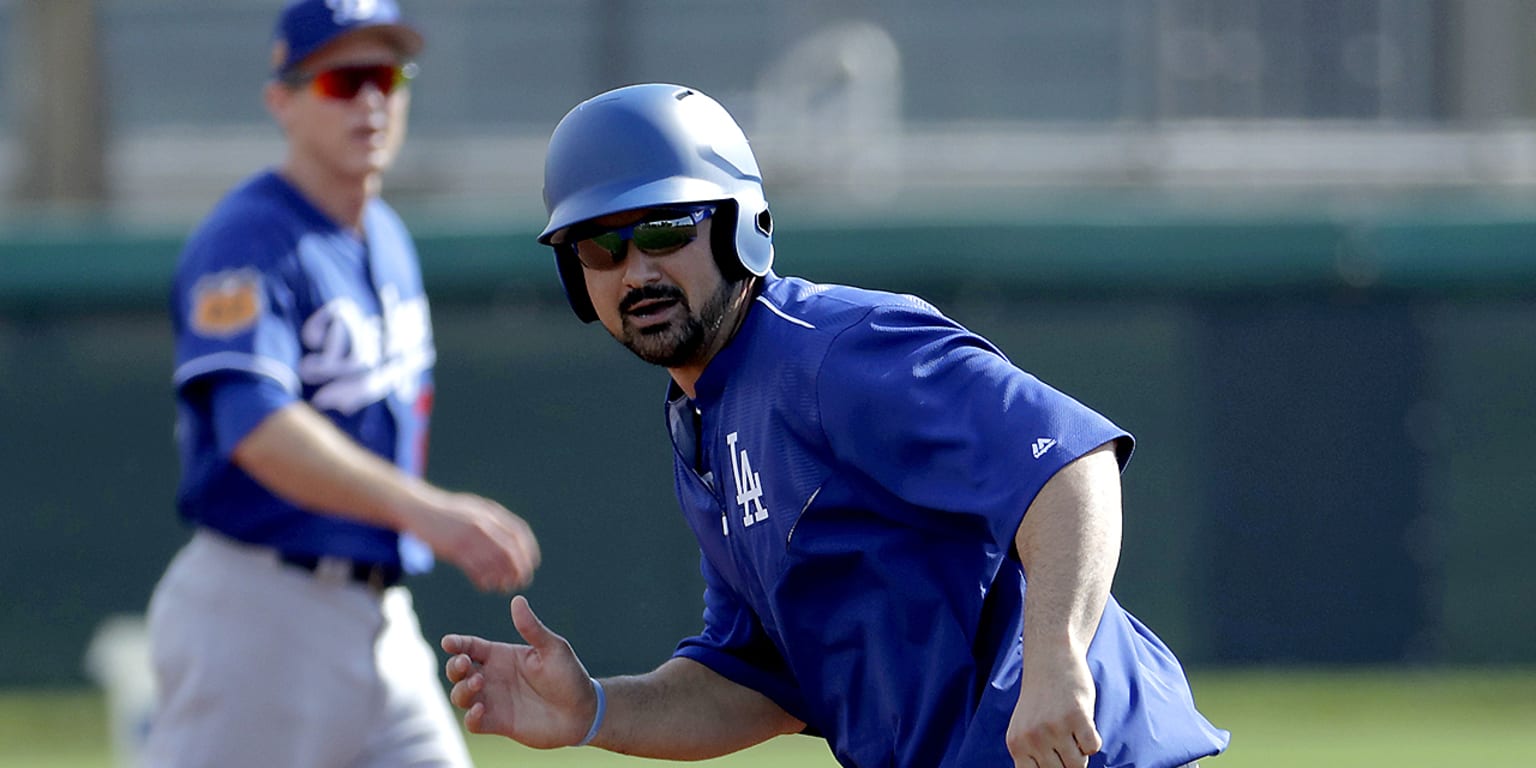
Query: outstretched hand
[[537, 694]]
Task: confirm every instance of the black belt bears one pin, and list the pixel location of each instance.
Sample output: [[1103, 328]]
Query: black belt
[[375, 575]]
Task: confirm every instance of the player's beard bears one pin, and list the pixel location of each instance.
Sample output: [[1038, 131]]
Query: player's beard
[[681, 341]]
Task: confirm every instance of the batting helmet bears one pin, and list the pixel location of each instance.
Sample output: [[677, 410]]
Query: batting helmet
[[651, 146]]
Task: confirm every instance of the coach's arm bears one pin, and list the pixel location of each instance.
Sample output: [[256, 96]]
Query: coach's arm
[[540, 695]]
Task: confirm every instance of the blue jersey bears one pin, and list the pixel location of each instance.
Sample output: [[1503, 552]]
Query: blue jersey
[[855, 467], [271, 290]]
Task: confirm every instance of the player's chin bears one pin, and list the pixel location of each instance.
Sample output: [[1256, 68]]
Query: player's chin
[[377, 160], [367, 153], [359, 165], [661, 345]]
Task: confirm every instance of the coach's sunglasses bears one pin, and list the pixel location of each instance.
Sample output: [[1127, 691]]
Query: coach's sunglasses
[[659, 234], [344, 83]]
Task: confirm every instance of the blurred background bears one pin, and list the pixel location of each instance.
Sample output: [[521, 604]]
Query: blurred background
[[1290, 244]]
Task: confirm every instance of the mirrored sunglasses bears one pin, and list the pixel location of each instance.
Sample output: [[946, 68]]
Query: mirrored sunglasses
[[344, 83], [657, 235]]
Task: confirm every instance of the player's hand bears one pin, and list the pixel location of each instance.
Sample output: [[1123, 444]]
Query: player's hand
[[1052, 725], [493, 547], [537, 694]]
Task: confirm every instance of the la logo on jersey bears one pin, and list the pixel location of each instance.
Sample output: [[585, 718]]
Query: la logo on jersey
[[749, 487]]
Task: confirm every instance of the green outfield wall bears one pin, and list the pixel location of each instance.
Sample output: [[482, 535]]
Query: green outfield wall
[[1333, 416]]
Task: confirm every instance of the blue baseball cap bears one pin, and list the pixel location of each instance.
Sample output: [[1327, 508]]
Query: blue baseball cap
[[307, 26]]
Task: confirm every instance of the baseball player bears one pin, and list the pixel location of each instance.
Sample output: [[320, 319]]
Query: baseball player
[[280, 633], [907, 542]]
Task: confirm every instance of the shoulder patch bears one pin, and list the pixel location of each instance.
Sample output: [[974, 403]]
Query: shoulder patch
[[226, 303]]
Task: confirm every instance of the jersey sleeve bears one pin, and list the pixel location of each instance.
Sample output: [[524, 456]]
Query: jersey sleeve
[[233, 308], [235, 319], [239, 403], [735, 646], [939, 417]]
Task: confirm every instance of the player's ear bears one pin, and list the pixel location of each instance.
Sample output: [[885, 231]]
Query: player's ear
[[277, 97]]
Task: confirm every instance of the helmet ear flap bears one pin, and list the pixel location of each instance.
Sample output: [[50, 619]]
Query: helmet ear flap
[[722, 240], [574, 282]]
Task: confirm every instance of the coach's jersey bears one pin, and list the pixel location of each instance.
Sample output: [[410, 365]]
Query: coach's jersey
[[271, 287], [855, 467]]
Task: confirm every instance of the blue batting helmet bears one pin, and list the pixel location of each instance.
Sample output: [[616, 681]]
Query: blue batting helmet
[[651, 146]]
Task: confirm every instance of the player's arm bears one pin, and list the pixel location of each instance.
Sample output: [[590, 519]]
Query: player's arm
[[298, 454], [1069, 544], [539, 694]]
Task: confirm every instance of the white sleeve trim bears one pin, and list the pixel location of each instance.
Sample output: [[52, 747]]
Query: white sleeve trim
[[797, 321], [238, 361]]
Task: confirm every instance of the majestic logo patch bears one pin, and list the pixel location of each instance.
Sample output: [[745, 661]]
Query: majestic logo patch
[[226, 303], [749, 487], [1041, 446]]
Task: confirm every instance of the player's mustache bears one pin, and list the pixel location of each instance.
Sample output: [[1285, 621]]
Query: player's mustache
[[651, 293]]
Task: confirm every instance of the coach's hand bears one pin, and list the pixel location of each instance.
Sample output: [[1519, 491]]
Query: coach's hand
[[493, 547], [1052, 724], [538, 694]]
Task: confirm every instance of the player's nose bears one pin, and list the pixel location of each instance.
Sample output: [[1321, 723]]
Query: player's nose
[[639, 267]]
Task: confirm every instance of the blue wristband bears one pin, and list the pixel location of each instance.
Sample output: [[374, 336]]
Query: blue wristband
[[597, 719]]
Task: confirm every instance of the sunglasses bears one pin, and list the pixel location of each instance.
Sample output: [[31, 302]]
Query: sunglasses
[[344, 83], [657, 235]]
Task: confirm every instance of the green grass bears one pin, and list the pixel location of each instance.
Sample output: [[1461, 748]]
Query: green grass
[[1279, 718], [1391, 718]]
